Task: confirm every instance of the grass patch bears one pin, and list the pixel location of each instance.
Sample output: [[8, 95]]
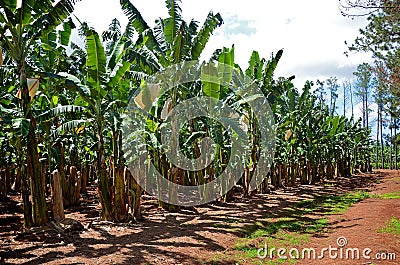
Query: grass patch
[[334, 204], [392, 227], [217, 225], [227, 223], [296, 222], [251, 253], [289, 224], [280, 261], [388, 196], [233, 221], [248, 248]]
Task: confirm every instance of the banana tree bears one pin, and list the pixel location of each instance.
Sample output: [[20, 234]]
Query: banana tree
[[262, 71], [170, 42], [9, 111], [21, 25], [104, 73]]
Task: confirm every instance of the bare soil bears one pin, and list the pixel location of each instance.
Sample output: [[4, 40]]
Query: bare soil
[[199, 235]]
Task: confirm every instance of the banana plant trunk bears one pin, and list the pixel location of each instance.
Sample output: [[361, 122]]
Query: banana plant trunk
[[103, 183], [120, 212], [25, 198], [39, 206]]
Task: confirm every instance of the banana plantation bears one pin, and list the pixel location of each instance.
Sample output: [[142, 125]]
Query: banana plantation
[[63, 104]]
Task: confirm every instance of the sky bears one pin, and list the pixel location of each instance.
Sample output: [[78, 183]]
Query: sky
[[312, 33]]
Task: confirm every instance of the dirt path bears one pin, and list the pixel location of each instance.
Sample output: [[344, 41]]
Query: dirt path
[[358, 227], [198, 236]]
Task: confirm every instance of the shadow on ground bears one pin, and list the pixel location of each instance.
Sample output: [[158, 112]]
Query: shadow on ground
[[162, 237]]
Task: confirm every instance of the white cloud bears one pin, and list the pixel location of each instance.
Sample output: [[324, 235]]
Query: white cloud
[[311, 32]]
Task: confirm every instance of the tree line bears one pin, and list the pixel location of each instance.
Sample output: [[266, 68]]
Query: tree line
[[379, 81], [62, 109]]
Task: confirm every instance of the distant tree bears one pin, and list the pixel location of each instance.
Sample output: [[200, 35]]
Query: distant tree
[[329, 85], [358, 8], [381, 36], [379, 100], [395, 142], [364, 88], [394, 112], [392, 78], [320, 92], [387, 99], [333, 86], [347, 97]]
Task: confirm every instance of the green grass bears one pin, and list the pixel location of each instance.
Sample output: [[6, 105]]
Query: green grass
[[392, 227], [289, 224], [280, 261], [233, 220], [248, 248], [218, 225], [390, 195], [228, 223], [334, 204]]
